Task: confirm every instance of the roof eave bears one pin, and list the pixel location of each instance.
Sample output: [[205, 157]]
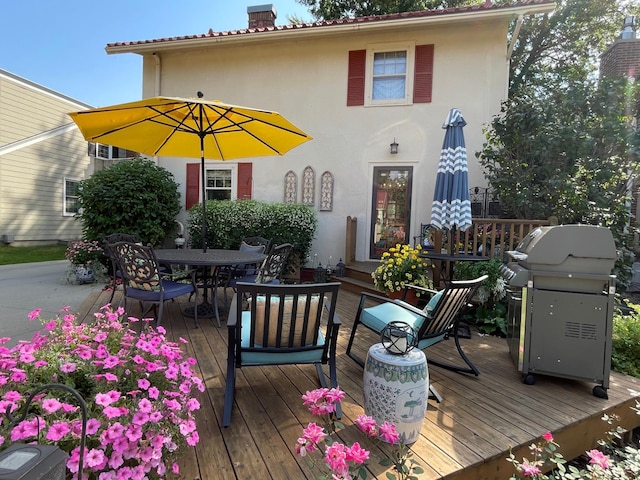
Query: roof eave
[[325, 30]]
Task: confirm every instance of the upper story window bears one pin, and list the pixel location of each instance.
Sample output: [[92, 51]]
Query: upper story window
[[70, 199], [390, 74]]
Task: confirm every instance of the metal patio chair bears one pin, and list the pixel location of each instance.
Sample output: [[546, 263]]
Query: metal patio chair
[[143, 280], [436, 322], [285, 324], [107, 240]]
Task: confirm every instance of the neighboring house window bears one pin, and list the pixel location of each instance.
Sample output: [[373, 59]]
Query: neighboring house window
[[70, 199], [390, 74], [235, 182], [218, 185], [107, 152]]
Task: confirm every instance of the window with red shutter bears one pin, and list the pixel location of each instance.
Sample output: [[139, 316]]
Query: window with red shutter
[[355, 85], [423, 76], [192, 191]]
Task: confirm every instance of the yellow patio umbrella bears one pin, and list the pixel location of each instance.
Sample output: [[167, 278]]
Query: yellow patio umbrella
[[193, 128]]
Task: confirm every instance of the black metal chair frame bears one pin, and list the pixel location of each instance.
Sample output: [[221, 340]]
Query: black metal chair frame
[[142, 279], [442, 322], [293, 332], [112, 238]]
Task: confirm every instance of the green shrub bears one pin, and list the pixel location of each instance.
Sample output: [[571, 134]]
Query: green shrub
[[228, 221], [133, 196], [625, 345]]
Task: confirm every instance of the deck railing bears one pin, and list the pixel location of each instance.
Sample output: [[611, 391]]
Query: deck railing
[[489, 237]]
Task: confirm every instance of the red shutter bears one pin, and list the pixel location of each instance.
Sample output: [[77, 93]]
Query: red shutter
[[355, 85], [423, 75], [192, 192], [245, 180]]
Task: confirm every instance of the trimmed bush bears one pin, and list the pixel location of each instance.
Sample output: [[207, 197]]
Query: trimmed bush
[[228, 221], [133, 196]]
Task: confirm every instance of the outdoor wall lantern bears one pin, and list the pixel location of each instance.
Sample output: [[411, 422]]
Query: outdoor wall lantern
[[394, 147]]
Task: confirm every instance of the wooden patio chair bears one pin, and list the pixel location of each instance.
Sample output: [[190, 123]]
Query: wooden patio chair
[[438, 321], [144, 281], [284, 324]]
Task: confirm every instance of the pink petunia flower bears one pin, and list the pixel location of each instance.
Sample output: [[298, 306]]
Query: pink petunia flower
[[548, 437], [34, 313], [57, 431], [388, 433]]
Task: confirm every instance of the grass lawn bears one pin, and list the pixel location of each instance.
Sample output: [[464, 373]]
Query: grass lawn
[[43, 253]]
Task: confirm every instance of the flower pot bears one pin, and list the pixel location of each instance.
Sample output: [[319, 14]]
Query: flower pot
[[84, 274], [411, 297]]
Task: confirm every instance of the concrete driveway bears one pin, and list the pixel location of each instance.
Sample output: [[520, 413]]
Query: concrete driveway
[[27, 286]]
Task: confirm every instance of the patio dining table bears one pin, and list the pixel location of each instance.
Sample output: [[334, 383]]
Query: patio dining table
[[213, 257]]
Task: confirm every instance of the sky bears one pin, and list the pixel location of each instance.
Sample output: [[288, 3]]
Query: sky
[[60, 44]]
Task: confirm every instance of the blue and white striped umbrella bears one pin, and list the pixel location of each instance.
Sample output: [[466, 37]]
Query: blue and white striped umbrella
[[451, 206]]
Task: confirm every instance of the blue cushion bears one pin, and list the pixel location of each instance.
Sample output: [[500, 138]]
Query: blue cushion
[[171, 290], [430, 307], [245, 247], [379, 316], [258, 358]]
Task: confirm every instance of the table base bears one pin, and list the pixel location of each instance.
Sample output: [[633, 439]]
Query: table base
[[205, 310]]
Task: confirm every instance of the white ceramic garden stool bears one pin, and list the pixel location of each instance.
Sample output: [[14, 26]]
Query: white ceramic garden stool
[[396, 389]]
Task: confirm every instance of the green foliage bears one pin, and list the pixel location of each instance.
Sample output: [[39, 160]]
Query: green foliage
[[490, 316], [228, 221], [625, 346], [568, 154], [335, 9], [565, 44], [133, 196]]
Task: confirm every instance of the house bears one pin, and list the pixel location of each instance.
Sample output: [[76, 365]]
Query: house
[[43, 156], [372, 91]]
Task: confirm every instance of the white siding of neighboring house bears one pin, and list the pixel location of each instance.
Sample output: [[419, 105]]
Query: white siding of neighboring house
[[36, 155], [305, 79]]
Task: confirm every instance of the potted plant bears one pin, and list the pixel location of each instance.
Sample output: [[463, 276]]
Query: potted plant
[[86, 259], [399, 266]]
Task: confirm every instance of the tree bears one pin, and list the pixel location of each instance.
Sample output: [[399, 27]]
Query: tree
[[568, 153], [133, 196], [553, 48], [335, 9]]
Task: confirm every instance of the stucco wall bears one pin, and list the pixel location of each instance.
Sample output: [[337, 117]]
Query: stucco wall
[[306, 81]]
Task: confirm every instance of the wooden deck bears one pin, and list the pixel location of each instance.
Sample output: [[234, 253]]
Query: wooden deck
[[467, 436]]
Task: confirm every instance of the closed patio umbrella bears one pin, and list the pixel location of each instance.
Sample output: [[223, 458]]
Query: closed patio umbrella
[[451, 207], [193, 128]]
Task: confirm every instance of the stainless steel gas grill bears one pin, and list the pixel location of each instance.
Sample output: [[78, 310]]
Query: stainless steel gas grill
[[560, 303]]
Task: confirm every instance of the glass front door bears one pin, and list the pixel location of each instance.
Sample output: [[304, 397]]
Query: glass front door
[[391, 208]]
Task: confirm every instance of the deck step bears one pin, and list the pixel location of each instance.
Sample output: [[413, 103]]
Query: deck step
[[354, 285]]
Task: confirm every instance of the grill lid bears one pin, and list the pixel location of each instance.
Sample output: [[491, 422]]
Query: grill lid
[[587, 248]]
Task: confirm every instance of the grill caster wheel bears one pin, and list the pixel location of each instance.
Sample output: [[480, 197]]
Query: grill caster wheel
[[600, 392], [529, 379]]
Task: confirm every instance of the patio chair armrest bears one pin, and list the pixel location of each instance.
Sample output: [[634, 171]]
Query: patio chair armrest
[[232, 319], [336, 318], [373, 296]]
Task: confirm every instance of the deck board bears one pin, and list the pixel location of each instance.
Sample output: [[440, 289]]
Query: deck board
[[467, 436]]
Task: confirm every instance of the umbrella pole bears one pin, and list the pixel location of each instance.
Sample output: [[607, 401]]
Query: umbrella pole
[[204, 198]]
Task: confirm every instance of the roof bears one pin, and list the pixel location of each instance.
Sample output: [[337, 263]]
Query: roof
[[392, 20]]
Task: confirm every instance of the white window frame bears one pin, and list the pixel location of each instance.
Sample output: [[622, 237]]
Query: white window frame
[[410, 49], [109, 151], [234, 178], [66, 213]]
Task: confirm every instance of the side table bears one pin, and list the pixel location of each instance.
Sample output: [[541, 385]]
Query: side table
[[396, 389]]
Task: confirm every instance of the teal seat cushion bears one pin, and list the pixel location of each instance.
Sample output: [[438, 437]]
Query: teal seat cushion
[[379, 316], [433, 302], [259, 358]]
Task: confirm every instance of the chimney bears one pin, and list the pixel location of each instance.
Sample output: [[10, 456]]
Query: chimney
[[261, 16], [622, 58]]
